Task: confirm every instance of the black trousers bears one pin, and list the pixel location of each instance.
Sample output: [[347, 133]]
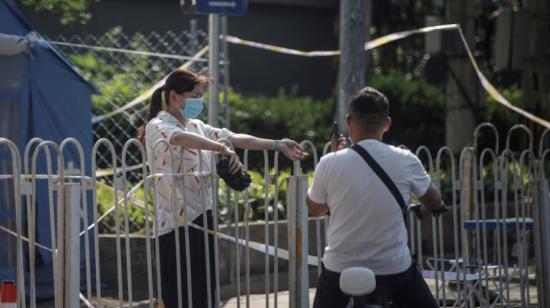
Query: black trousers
[[198, 258], [406, 289]]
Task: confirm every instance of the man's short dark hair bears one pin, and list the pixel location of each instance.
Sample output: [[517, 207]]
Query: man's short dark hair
[[370, 107]]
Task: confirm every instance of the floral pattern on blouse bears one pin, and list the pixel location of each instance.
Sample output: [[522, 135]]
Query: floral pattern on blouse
[[196, 189]]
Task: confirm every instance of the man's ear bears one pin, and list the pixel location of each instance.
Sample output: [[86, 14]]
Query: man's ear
[[387, 124]]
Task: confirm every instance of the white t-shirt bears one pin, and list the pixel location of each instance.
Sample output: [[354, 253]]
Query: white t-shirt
[[366, 224], [198, 192]]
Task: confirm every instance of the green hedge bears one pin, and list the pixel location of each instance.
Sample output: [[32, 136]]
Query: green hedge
[[417, 110], [283, 115]]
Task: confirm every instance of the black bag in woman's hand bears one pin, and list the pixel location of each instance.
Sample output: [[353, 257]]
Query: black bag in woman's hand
[[239, 181]]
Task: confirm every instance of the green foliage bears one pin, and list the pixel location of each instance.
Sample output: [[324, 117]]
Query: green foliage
[[118, 82], [416, 108], [119, 79], [502, 117], [136, 214], [71, 11], [407, 55], [255, 196], [516, 179], [284, 115]]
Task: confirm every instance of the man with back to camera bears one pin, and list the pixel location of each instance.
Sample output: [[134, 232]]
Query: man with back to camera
[[366, 225]]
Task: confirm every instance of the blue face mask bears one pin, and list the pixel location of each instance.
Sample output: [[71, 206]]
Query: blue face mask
[[192, 108]]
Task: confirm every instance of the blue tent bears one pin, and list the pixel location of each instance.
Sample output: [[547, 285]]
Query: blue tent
[[41, 95]]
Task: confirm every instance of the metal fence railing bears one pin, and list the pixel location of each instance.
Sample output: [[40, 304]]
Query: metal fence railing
[[491, 249]]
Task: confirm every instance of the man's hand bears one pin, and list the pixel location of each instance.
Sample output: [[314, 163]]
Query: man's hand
[[422, 211], [292, 149], [316, 209], [337, 146]]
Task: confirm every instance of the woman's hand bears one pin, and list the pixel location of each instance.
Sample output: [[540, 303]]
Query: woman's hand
[[292, 149], [234, 163], [225, 150]]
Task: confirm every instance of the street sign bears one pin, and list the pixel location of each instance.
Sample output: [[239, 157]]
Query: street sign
[[222, 7]]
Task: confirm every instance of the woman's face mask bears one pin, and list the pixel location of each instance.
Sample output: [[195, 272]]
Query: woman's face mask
[[192, 108]]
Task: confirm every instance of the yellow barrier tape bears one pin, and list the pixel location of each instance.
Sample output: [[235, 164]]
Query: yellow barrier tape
[[491, 90], [145, 95], [403, 34], [129, 197], [270, 250], [329, 53], [108, 172], [128, 51], [25, 239], [85, 301], [279, 49]]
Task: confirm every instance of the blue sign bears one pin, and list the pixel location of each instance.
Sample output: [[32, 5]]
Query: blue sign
[[223, 7]]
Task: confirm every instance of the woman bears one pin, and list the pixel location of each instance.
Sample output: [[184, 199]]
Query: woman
[[172, 116]]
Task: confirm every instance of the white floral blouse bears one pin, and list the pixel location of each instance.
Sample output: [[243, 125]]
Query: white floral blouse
[[167, 188]]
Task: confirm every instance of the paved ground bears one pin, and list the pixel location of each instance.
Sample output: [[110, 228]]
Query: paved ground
[[258, 300]]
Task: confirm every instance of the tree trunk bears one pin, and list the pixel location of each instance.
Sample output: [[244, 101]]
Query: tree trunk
[[536, 68], [462, 87], [351, 73]]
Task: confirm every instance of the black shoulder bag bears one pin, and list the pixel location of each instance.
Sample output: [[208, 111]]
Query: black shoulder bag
[[384, 177]]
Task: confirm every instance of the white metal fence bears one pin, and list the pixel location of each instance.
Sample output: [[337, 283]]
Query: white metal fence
[[491, 249]]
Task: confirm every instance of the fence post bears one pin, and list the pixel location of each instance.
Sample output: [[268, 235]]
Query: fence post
[[213, 65], [542, 241], [70, 244], [298, 242]]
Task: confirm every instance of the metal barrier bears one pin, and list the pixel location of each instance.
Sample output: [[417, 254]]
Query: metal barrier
[[478, 254]]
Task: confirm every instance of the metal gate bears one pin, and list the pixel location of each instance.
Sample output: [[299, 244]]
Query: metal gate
[[490, 249]]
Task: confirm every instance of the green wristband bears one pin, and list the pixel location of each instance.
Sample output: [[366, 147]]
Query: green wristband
[[276, 145]]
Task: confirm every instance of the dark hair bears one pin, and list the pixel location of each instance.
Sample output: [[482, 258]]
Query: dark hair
[[181, 81], [370, 107]]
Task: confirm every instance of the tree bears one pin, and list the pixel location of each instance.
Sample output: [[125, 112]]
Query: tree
[[462, 87], [72, 12], [535, 77], [351, 73]]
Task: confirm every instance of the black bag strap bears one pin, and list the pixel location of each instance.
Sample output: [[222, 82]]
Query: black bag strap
[[383, 176]]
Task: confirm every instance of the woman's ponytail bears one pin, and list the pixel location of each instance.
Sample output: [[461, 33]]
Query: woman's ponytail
[[156, 106], [179, 81]]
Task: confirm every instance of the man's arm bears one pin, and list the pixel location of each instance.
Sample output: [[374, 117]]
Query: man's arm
[[316, 209], [431, 201]]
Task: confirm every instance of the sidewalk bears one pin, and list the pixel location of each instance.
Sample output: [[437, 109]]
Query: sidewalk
[[258, 300]]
